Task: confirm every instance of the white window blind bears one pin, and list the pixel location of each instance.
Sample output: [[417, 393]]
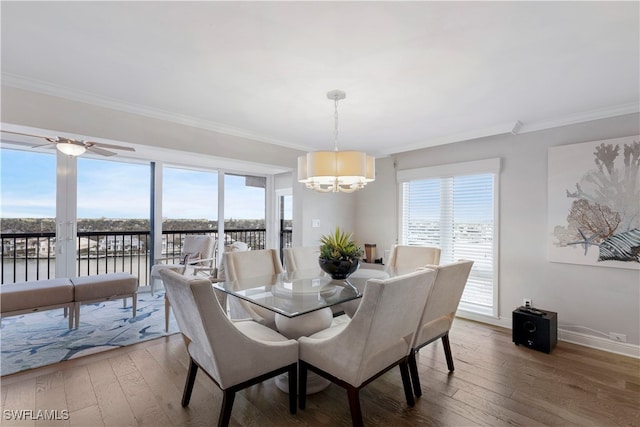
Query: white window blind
[[457, 214]]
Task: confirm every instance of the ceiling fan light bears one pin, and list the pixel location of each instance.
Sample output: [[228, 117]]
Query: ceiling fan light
[[70, 149]]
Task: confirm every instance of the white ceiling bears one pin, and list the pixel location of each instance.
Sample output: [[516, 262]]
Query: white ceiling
[[416, 74]]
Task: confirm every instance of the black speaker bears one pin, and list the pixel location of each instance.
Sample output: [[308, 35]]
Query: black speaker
[[535, 328]]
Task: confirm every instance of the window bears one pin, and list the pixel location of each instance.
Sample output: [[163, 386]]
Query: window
[[112, 217], [245, 210], [28, 213], [454, 207]]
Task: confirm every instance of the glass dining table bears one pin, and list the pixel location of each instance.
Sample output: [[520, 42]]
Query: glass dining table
[[301, 302], [292, 295]]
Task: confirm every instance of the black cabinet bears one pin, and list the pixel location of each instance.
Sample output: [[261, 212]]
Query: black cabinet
[[538, 331]]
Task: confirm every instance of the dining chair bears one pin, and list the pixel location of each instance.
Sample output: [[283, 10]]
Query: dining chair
[[375, 340], [240, 268], [302, 258], [439, 312], [235, 355], [197, 251], [197, 254], [404, 259]]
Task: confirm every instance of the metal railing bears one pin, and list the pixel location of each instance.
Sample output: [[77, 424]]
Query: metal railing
[[31, 256]]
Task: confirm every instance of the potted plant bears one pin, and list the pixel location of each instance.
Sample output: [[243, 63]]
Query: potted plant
[[339, 254]]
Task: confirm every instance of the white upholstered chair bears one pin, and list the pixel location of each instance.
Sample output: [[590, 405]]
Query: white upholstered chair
[[302, 258], [378, 338], [235, 355], [404, 259], [220, 273], [197, 252], [439, 312], [244, 266]]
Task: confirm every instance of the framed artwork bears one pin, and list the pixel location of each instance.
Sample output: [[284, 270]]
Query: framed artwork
[[594, 203]]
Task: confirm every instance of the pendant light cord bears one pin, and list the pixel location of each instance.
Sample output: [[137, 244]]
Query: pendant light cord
[[335, 132]]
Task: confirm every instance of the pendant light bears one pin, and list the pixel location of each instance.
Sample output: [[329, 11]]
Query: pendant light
[[336, 171]]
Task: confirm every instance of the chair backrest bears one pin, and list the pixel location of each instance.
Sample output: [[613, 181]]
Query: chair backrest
[[247, 264], [301, 258], [226, 354], [197, 246], [240, 268], [443, 300], [233, 247], [382, 330], [200, 317], [408, 258]]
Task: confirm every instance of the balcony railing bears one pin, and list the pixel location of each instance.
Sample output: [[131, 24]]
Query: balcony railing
[[31, 256]]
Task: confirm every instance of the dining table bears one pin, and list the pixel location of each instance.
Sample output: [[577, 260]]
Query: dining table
[[302, 303]]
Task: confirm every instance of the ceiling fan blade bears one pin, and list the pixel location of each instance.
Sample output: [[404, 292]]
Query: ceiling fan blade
[[52, 144], [24, 134], [115, 147], [100, 151]]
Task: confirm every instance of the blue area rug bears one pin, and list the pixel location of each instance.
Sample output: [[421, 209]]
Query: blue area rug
[[38, 339]]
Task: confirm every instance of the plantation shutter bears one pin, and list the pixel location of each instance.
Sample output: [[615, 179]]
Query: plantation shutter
[[455, 213]]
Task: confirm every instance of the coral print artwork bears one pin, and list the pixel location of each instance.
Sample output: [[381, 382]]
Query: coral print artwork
[[594, 203]]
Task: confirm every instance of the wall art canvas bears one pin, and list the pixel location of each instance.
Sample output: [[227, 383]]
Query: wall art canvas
[[594, 203]]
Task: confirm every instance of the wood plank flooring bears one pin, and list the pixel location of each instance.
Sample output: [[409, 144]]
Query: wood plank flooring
[[496, 383]]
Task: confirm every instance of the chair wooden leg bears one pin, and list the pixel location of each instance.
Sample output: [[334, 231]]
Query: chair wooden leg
[[188, 387], [406, 383], [413, 369], [227, 405], [447, 351], [293, 386], [134, 304], [302, 384], [354, 405]]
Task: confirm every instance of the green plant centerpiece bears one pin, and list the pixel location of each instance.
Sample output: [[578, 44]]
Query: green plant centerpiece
[[339, 254]]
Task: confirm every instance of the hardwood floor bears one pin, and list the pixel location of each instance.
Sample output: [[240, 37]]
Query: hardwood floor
[[495, 383]]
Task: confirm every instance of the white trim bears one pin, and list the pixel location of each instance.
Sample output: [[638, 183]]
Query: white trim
[[451, 169], [66, 215], [47, 88], [514, 128], [504, 128], [598, 343], [147, 153], [271, 236], [482, 318], [485, 166], [585, 116], [518, 127]]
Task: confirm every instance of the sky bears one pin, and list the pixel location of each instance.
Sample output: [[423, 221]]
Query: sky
[[113, 189]]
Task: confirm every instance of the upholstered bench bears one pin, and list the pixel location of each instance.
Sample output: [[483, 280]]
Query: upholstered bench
[[104, 287], [39, 295]]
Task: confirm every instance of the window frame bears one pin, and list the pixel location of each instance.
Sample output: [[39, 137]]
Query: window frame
[[486, 166]]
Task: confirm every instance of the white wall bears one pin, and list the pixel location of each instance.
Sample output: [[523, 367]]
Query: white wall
[[331, 209], [587, 299]]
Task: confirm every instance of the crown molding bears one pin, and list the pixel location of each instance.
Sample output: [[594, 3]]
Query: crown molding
[[585, 116], [514, 128], [518, 127], [51, 89], [511, 127]]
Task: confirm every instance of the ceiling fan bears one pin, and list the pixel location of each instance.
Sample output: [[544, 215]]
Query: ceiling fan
[[75, 147]]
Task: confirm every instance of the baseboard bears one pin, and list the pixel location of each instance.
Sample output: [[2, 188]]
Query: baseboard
[[573, 337], [599, 343], [483, 318]]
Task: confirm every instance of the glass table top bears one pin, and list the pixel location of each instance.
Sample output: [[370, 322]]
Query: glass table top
[[292, 295]]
